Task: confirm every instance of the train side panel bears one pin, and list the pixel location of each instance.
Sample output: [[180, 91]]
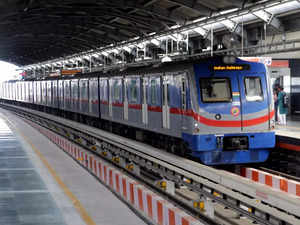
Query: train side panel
[[61, 102], [84, 96], [55, 94], [74, 95], [105, 101], [49, 93], [44, 93], [67, 95], [94, 97], [134, 98], [117, 98], [154, 102]]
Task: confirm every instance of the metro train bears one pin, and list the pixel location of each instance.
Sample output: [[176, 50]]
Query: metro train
[[218, 110]]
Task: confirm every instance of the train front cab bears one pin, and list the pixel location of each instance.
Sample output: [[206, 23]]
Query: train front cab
[[233, 115]]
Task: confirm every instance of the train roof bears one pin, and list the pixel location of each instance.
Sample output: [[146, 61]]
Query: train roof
[[151, 68]]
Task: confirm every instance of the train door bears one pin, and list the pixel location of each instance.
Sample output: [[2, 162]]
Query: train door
[[125, 81], [94, 97], [44, 93], [61, 94], [84, 96], [133, 86], [55, 94], [49, 93], [117, 92], [67, 95], [167, 80], [154, 100], [177, 102], [110, 97], [255, 101], [144, 101], [105, 98]]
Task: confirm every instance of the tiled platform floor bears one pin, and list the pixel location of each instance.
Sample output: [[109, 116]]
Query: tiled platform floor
[[30, 195]]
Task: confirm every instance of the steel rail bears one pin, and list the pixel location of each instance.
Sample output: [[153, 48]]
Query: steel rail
[[266, 205]]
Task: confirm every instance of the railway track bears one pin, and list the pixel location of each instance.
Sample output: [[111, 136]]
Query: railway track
[[248, 199]]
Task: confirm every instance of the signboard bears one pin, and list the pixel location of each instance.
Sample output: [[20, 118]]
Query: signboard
[[70, 72], [268, 61], [231, 67], [265, 60]]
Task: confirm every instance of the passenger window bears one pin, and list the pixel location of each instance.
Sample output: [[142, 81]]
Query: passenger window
[[67, 89], [93, 90], [117, 91], [103, 90], [84, 90], [133, 91], [75, 91], [174, 88], [215, 90], [253, 89], [153, 96]]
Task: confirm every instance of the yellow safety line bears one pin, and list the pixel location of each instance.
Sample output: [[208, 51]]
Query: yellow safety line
[[83, 213]]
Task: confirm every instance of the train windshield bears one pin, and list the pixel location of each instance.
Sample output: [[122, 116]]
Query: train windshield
[[215, 90], [253, 89]]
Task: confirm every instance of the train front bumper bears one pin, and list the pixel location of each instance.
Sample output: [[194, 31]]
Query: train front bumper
[[239, 148]]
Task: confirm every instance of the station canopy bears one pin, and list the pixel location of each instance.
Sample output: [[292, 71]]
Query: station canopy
[[33, 31]]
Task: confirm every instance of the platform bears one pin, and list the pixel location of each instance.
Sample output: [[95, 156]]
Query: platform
[[41, 185], [288, 136], [292, 129]]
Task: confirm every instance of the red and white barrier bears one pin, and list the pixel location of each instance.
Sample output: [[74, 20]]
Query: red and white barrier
[[271, 180], [145, 201]]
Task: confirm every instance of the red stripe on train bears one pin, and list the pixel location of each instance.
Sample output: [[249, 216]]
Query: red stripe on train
[[154, 108], [117, 104], [104, 102], [95, 102], [135, 106], [226, 123]]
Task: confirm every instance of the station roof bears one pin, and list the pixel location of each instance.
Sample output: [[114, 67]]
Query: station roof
[[32, 31]]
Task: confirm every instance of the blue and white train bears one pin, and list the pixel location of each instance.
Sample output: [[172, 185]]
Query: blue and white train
[[216, 110]]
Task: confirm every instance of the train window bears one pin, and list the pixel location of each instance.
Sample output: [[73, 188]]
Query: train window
[[94, 89], [117, 88], [174, 87], [84, 90], [253, 89], [133, 92], [153, 96], [67, 89], [215, 90]]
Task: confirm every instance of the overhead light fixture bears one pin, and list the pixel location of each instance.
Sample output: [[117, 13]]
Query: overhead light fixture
[[116, 51], [127, 49], [95, 55], [166, 59], [264, 15], [172, 36], [104, 53], [141, 45], [229, 24], [203, 32], [155, 42]]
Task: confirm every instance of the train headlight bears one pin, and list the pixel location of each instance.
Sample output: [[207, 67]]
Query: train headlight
[[196, 129], [229, 59]]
